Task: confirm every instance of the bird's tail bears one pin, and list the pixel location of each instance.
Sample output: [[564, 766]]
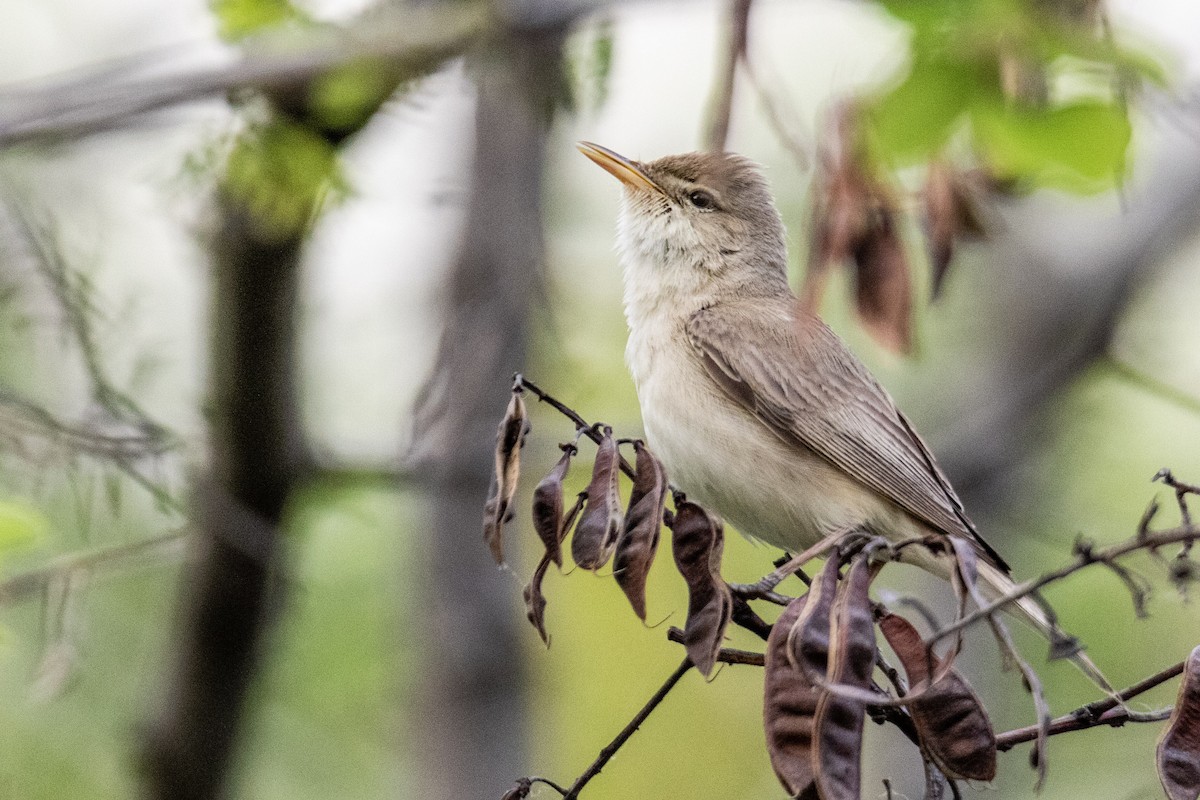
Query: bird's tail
[[994, 583]]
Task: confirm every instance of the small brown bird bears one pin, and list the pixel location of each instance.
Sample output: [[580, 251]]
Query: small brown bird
[[756, 408]]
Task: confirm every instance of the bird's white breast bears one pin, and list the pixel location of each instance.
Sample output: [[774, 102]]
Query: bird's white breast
[[723, 456]]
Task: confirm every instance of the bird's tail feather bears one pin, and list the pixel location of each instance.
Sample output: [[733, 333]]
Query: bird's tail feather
[[994, 584]]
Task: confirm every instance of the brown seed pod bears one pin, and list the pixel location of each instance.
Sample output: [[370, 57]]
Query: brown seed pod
[[548, 506], [535, 602], [839, 720], [808, 648], [1178, 754], [643, 523], [789, 704], [601, 520], [951, 722], [698, 542], [510, 438]]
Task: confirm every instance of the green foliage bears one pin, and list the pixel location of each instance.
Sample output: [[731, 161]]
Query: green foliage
[[345, 98], [588, 65], [1007, 76], [237, 19], [281, 171], [1079, 147], [20, 524]]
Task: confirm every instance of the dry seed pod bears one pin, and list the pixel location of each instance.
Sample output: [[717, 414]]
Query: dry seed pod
[[954, 729], [697, 542], [510, 438], [808, 648], [548, 506], [789, 704], [600, 523], [839, 720], [643, 523], [535, 602], [1178, 754]]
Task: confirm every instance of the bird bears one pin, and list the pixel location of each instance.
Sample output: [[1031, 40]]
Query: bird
[[756, 408]]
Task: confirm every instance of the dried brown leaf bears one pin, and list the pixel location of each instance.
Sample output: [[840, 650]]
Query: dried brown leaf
[[789, 704], [548, 506], [601, 520], [941, 220], [883, 292], [839, 720], [953, 726], [840, 219], [951, 212], [510, 438], [698, 542], [643, 524], [1178, 754]]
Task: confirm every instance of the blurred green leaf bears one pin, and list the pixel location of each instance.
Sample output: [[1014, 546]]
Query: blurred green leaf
[[20, 524], [1078, 147], [912, 121], [602, 59], [587, 65], [926, 14], [282, 171], [345, 98], [237, 19]]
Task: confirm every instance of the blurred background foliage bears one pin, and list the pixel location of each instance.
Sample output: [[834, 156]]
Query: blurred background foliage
[[83, 647]]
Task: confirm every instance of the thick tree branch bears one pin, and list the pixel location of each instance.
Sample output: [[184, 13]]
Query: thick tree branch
[[409, 40]]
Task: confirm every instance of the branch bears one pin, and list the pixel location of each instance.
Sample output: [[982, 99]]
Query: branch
[[25, 585], [412, 41], [735, 51], [640, 717], [1102, 712], [1179, 535], [581, 425]]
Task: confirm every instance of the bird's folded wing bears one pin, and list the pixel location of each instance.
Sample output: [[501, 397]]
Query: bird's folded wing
[[802, 381]]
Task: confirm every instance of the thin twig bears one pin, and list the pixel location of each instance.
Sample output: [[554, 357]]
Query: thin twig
[[774, 116], [1101, 712], [1181, 534], [29, 584], [726, 655], [612, 747], [581, 425]]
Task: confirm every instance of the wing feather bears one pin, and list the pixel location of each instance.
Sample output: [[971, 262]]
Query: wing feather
[[801, 380]]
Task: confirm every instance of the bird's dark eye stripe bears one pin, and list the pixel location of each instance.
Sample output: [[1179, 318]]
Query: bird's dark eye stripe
[[701, 199]]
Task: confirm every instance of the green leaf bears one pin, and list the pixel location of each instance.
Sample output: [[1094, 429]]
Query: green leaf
[[345, 98], [912, 121], [20, 524], [237, 19], [1079, 147], [282, 171]]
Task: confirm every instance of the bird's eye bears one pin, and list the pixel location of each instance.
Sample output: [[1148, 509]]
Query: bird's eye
[[702, 199]]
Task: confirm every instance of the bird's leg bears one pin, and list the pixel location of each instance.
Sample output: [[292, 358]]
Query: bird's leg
[[764, 589]]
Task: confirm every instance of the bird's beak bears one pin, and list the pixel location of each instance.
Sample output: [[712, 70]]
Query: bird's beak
[[624, 170]]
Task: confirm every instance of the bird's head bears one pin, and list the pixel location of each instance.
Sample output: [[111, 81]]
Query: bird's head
[[697, 220]]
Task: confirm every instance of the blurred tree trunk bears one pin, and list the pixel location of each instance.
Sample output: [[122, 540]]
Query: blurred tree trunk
[[468, 734], [231, 580]]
